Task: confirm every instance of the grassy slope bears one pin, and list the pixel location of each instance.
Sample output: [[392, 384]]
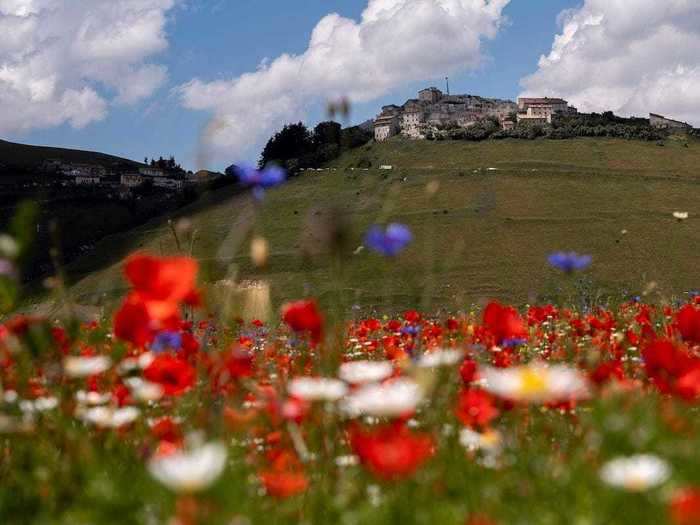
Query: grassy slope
[[486, 233]]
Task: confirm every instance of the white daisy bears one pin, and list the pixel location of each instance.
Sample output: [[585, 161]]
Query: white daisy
[[440, 357], [74, 366], [106, 417], [535, 383], [392, 399], [189, 471], [317, 388], [92, 398], [361, 372], [635, 473]]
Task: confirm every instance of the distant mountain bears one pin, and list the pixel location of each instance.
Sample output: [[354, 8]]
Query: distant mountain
[[28, 158]]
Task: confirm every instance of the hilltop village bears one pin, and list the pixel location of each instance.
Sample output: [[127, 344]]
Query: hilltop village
[[433, 111], [121, 179]]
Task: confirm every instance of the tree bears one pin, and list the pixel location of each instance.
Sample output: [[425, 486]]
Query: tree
[[292, 142], [327, 133]]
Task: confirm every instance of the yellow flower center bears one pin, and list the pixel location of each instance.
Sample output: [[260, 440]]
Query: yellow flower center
[[533, 381]]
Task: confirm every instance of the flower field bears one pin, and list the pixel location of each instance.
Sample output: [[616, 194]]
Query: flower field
[[194, 404]]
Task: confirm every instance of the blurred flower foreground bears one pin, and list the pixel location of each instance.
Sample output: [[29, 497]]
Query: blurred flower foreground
[[193, 404]]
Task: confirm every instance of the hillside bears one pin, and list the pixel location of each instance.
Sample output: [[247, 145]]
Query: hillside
[[500, 209], [27, 157]]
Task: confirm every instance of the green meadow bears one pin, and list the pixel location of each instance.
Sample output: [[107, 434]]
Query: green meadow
[[484, 215]]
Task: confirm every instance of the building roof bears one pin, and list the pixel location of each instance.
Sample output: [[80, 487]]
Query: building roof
[[541, 100], [669, 119]]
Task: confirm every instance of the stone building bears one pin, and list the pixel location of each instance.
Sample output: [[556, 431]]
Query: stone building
[[387, 124], [151, 172], [433, 110], [87, 180], [659, 121], [430, 95], [131, 180], [541, 110]]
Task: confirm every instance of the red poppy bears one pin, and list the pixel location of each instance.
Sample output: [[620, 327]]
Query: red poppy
[[504, 322], [169, 279], [665, 363], [391, 452], [304, 316], [684, 506], [175, 375], [688, 323], [285, 475], [283, 484], [165, 429], [468, 371], [476, 408]]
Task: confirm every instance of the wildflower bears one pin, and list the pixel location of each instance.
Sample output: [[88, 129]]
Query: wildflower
[[175, 375], [680, 215], [391, 452], [144, 390], [260, 180], [635, 473], [389, 242], [684, 506], [504, 323], [304, 316], [162, 281], [316, 389], [106, 417], [281, 484], [86, 366], [92, 398], [40, 404], [672, 369], [489, 441], [569, 262], [476, 408], [468, 371], [166, 340], [393, 399], [688, 323], [440, 357], [361, 372], [536, 383], [285, 476], [189, 471]]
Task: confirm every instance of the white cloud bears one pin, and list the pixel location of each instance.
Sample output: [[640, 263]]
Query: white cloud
[[396, 41], [632, 57], [68, 60]]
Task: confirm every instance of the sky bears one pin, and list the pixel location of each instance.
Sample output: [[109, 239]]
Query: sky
[[208, 81]]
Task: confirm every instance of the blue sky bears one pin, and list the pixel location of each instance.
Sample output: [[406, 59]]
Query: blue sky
[[219, 39]]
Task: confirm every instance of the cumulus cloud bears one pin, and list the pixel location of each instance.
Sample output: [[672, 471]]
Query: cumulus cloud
[[68, 60], [394, 42], [631, 57]]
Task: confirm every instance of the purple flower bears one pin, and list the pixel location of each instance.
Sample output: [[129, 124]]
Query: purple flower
[[569, 262], [166, 341], [259, 180], [389, 242]]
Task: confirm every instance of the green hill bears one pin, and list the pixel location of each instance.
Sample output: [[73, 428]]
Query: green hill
[[501, 207], [26, 157]]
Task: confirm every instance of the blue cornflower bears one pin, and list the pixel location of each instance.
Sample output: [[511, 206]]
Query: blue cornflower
[[166, 341], [512, 342], [411, 330], [389, 242], [259, 180], [569, 262]]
